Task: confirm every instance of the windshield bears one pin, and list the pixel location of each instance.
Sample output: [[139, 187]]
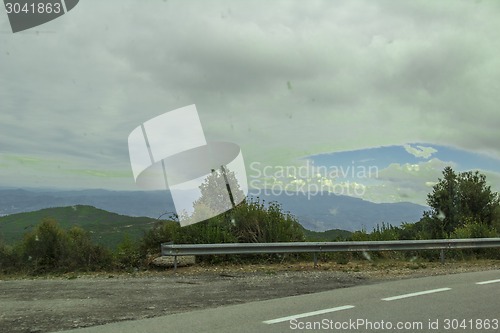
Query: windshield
[[347, 120]]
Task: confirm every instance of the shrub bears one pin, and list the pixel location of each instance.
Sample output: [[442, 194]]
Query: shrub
[[10, 260], [127, 255], [473, 229], [45, 248], [83, 254], [256, 223], [162, 232], [49, 248]]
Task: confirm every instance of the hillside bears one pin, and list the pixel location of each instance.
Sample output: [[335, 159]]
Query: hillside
[[105, 227], [327, 236], [318, 213]]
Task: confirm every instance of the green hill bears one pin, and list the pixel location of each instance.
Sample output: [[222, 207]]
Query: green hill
[[105, 227], [327, 236]]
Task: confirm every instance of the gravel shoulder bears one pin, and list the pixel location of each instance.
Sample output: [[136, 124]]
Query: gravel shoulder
[[68, 301]]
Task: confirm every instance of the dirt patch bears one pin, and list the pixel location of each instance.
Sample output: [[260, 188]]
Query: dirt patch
[[55, 303]]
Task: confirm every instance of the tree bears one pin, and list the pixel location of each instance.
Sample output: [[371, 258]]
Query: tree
[[9, 258], [477, 201], [458, 199], [220, 192], [83, 254], [50, 248], [127, 255], [444, 203], [46, 246]]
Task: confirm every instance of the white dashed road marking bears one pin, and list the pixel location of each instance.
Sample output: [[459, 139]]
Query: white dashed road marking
[[308, 314], [488, 282], [345, 307], [425, 292]]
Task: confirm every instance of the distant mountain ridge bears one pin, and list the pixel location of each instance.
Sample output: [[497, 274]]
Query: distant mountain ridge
[[318, 213], [329, 211], [131, 203]]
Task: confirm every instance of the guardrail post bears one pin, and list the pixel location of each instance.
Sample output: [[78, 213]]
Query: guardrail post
[[315, 258], [441, 256], [175, 264]]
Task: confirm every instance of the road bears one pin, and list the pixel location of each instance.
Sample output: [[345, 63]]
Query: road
[[467, 302]]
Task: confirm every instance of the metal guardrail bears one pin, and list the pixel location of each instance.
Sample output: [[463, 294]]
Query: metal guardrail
[[169, 249]]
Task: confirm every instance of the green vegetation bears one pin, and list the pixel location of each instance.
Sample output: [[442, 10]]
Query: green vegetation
[[249, 222], [462, 206], [105, 228], [460, 200], [333, 235], [49, 248], [84, 238], [56, 247]]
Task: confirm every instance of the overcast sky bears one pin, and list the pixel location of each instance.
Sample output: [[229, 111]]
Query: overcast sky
[[289, 81]]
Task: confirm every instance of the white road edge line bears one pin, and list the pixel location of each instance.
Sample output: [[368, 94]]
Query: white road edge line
[[308, 314], [487, 282], [425, 292]]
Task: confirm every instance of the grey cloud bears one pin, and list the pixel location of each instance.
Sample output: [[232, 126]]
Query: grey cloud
[[363, 74]]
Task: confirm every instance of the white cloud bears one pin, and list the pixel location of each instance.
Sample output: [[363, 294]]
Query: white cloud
[[406, 182], [412, 182], [420, 151], [493, 179]]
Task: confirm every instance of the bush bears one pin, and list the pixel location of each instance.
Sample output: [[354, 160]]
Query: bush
[[162, 232], [10, 260], [215, 230], [49, 248], [83, 254], [256, 223], [127, 255], [473, 229], [46, 247], [249, 222]]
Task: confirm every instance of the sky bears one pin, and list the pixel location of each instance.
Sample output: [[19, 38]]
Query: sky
[[399, 88]]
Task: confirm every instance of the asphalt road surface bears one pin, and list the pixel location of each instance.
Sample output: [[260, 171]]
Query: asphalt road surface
[[468, 302]]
